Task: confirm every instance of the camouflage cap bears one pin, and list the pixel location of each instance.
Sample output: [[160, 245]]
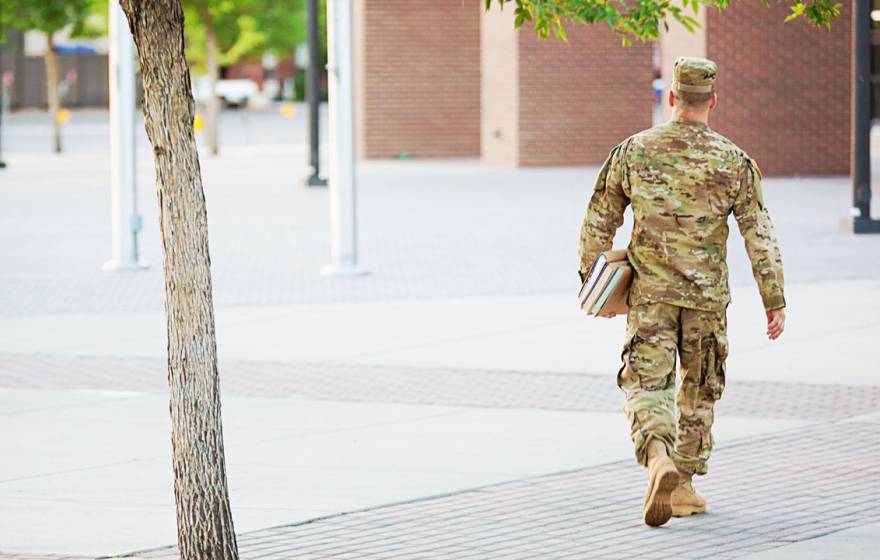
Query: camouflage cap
[[694, 75]]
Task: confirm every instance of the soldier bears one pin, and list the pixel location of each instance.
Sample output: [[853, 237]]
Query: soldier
[[683, 180]]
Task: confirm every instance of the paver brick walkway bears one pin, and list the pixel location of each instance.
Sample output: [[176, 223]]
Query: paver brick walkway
[[763, 493], [438, 386], [427, 229]]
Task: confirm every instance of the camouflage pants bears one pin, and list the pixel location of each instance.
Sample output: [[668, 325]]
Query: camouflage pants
[[654, 334]]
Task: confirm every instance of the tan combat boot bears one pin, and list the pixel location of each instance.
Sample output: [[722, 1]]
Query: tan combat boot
[[685, 499], [662, 480]]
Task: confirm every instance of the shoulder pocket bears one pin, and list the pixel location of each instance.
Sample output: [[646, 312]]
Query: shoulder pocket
[[754, 181], [606, 168]]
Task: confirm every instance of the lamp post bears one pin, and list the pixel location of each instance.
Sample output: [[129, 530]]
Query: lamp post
[[313, 96], [2, 104], [126, 222], [340, 74], [861, 120]]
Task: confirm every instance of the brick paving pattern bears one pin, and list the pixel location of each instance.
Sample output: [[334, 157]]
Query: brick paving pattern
[[438, 386], [764, 493], [428, 229]]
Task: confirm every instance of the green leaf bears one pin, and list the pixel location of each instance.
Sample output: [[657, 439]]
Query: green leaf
[[796, 11], [642, 19]]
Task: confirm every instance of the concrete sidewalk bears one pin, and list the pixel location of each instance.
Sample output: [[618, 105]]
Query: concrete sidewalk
[[97, 451], [827, 340], [452, 404]]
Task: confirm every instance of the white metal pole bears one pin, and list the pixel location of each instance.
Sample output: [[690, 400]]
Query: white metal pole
[[126, 222], [340, 74]]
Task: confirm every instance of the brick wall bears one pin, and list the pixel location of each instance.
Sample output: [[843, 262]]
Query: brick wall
[[578, 99], [783, 88], [419, 78]]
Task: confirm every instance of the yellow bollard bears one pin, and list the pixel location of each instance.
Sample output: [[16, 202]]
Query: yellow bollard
[[198, 123], [288, 110]]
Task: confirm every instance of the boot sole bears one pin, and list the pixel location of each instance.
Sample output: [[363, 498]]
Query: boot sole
[[658, 508], [687, 511]]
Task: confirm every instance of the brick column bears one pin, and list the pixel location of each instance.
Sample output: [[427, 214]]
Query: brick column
[[783, 88], [500, 88]]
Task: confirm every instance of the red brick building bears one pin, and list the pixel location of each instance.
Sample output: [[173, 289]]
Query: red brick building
[[546, 102], [446, 79]]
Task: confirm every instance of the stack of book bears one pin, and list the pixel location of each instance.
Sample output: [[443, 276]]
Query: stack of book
[[605, 291]]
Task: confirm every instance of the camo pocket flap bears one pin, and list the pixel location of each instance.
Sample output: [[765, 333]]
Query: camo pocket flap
[[715, 364]]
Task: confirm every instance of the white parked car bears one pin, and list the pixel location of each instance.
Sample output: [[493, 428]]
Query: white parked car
[[232, 93]]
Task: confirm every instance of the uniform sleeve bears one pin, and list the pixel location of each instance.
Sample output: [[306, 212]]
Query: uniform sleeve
[[757, 231], [605, 211]]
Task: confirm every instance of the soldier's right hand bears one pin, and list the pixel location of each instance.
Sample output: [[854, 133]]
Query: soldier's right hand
[[775, 322]]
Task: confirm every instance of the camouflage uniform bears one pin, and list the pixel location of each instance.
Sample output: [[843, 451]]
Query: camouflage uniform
[[682, 180]]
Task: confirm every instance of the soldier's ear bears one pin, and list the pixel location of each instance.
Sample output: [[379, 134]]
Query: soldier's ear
[[671, 99], [714, 101]]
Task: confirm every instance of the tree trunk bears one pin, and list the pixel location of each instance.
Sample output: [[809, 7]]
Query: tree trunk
[[204, 518], [52, 94], [212, 55]]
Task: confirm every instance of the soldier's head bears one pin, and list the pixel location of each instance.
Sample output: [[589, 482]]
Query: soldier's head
[[693, 85]]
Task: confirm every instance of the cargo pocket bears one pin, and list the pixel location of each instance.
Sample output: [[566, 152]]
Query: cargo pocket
[[625, 359], [715, 358]]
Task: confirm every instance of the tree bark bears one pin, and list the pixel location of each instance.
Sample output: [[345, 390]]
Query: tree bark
[[204, 518], [52, 95], [212, 56]]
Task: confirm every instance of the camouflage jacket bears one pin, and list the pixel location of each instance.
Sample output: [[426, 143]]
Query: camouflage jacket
[[683, 181]]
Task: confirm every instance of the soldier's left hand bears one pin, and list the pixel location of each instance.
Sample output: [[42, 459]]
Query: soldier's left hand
[[775, 323]]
